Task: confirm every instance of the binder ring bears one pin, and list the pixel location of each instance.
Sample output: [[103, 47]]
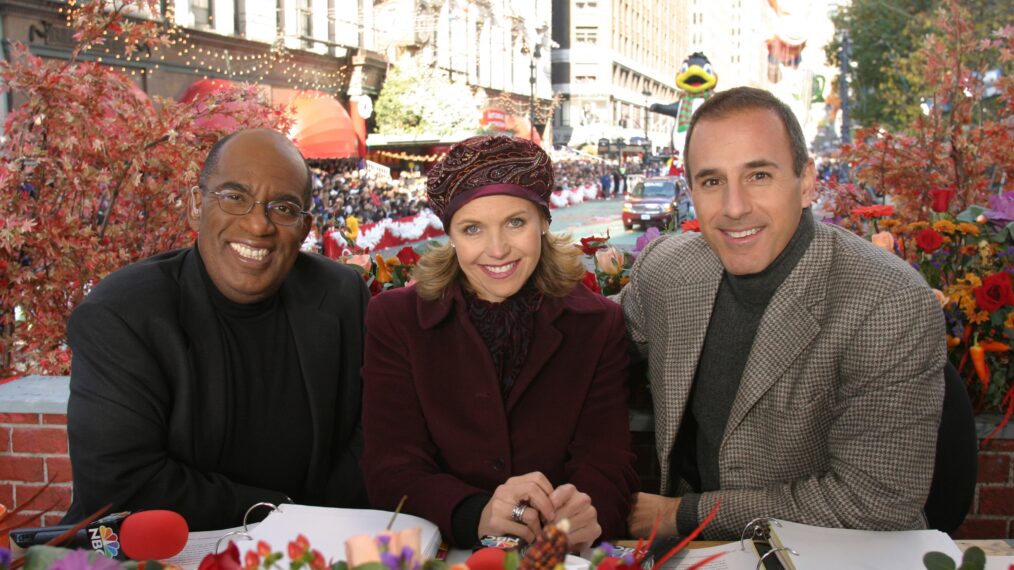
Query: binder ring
[[239, 533], [246, 515], [760, 563], [759, 528]]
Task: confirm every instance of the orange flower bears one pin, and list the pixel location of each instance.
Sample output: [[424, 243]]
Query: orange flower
[[609, 260], [383, 273], [889, 223], [945, 226], [967, 228], [1009, 323], [941, 298], [883, 240], [362, 261]]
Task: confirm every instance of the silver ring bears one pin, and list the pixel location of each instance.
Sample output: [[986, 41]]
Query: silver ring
[[519, 512]]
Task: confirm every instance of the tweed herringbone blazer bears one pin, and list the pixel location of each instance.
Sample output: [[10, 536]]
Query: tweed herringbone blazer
[[836, 417]]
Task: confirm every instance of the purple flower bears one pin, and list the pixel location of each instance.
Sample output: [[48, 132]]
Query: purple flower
[[79, 560], [384, 540], [1003, 209], [645, 239], [391, 561], [605, 546], [5, 558], [407, 553]]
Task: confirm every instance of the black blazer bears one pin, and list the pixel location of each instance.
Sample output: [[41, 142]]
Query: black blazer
[[145, 419]]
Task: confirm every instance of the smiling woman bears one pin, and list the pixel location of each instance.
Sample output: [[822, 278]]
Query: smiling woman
[[501, 336]]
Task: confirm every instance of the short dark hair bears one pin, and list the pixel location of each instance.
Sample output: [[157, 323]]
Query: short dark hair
[[211, 163], [740, 99]]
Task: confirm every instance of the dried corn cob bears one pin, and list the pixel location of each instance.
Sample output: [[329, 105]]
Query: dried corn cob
[[549, 550]]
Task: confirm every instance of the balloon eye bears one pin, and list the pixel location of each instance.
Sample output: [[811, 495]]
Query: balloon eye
[[707, 69], [684, 68]]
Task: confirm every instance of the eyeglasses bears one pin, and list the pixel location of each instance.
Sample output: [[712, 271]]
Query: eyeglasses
[[280, 212]]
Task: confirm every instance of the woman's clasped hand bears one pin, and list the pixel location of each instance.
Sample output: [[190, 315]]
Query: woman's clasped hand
[[523, 504]]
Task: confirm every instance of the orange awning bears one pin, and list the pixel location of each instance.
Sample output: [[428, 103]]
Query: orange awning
[[211, 120], [323, 128]]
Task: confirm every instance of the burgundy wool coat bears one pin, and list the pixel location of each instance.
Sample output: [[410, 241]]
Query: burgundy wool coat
[[437, 430]]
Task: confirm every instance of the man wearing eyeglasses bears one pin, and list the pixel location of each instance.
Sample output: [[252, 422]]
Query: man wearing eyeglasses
[[209, 379]]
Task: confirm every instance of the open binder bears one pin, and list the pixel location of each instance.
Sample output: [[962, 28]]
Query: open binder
[[326, 529], [773, 544]]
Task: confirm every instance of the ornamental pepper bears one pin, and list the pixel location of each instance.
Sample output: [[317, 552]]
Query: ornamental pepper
[[964, 340], [953, 341], [978, 355], [994, 346]]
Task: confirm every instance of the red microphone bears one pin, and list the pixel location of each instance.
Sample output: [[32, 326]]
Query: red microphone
[[146, 535], [153, 535]]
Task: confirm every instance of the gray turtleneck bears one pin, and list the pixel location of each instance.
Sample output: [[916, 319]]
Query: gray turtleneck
[[739, 306]]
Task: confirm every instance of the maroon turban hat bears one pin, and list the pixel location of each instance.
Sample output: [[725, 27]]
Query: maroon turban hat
[[487, 165]]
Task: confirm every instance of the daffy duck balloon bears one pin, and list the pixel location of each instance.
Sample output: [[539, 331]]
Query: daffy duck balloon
[[697, 81]]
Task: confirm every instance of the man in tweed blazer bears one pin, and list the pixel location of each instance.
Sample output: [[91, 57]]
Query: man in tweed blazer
[[796, 369]]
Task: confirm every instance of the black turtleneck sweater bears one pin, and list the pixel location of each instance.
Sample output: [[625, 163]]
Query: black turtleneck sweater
[[739, 306], [269, 434]]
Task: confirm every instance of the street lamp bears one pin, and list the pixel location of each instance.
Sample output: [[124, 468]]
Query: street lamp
[[531, 99], [647, 140]]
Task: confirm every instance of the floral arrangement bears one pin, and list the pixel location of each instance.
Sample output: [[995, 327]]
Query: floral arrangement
[[379, 273], [968, 259]]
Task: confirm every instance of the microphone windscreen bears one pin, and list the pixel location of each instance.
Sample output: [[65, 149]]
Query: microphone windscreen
[[153, 535]]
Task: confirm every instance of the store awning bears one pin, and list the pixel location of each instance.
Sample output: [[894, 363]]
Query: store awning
[[323, 128], [210, 119]]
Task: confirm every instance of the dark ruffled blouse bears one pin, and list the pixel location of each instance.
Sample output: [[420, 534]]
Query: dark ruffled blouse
[[507, 329]]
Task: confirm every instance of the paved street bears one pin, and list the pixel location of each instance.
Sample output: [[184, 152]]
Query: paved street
[[583, 220]]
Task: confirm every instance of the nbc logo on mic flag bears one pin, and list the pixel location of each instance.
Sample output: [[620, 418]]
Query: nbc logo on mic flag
[[104, 539]]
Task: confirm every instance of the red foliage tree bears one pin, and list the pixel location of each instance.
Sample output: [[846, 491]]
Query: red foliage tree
[[955, 143], [93, 176]]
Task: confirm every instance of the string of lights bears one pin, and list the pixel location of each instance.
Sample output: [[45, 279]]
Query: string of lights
[[208, 63]]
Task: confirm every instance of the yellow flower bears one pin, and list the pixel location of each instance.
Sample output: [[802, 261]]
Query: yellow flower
[[967, 228], [1009, 323], [978, 317], [972, 279], [944, 226], [916, 226], [889, 223], [352, 227]]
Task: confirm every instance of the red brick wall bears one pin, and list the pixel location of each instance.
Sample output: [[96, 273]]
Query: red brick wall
[[33, 450], [992, 514]]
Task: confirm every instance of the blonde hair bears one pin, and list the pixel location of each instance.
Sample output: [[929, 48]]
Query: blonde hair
[[559, 269]]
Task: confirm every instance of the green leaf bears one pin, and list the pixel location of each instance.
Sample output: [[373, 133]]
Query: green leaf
[[42, 557], [970, 214], [511, 561], [974, 559], [371, 566], [342, 565], [434, 564], [938, 561]]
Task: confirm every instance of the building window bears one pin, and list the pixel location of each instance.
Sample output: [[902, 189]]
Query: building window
[[305, 23], [586, 35], [200, 10]]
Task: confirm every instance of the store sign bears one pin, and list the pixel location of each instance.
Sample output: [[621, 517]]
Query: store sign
[[494, 119]]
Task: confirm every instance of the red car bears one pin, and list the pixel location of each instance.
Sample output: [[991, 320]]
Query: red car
[[656, 202]]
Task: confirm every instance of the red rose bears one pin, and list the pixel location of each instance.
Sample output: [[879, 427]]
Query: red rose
[[691, 226], [590, 282], [941, 199], [995, 292], [408, 256], [590, 245], [929, 240], [228, 559]]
